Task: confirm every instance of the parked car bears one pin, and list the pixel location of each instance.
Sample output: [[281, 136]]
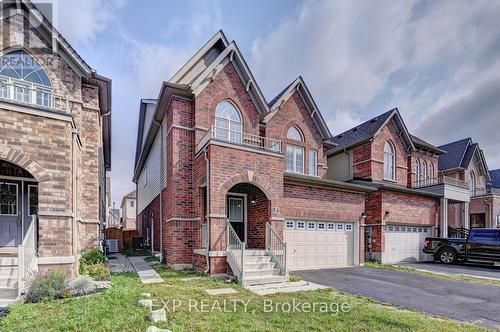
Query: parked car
[[481, 245]]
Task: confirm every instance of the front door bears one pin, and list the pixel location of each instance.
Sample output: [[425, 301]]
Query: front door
[[236, 215], [10, 213]]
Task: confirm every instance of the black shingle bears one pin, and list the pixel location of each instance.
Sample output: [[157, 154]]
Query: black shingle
[[454, 155], [495, 178]]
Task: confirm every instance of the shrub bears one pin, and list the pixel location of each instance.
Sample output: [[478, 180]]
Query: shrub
[[46, 287], [81, 285], [98, 271], [151, 259], [93, 256]]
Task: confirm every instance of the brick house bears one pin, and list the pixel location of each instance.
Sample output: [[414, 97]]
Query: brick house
[[405, 208], [225, 178], [54, 148], [465, 161]]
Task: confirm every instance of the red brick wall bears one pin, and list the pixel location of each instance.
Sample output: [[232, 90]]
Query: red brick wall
[[389, 133], [361, 161], [294, 113], [321, 203], [421, 156]]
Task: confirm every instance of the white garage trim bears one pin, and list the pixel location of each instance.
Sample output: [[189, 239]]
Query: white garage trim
[[329, 239], [404, 243]]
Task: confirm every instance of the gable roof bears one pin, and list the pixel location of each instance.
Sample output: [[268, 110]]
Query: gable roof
[[495, 178], [420, 144], [369, 130], [300, 86], [459, 155]]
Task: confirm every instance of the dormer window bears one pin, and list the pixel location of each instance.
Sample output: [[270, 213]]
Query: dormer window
[[389, 162], [228, 122], [24, 80], [294, 134]]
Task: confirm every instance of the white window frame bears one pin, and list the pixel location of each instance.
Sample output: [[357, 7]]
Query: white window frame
[[295, 134], [348, 227], [389, 157], [17, 201], [289, 224], [330, 226], [339, 227], [293, 150], [319, 228], [313, 162], [311, 228], [234, 131], [300, 224]]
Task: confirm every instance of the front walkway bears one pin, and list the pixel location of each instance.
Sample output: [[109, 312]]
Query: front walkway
[[144, 270], [118, 263], [460, 300]]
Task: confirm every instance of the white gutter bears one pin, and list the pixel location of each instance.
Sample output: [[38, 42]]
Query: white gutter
[[205, 154]]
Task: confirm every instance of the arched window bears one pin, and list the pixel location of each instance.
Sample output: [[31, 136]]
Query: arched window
[[423, 171], [431, 172], [472, 183], [417, 170], [228, 122], [23, 79], [295, 134], [389, 162]]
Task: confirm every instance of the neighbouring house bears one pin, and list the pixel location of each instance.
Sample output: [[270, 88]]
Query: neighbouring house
[[55, 148], [403, 170], [114, 219], [129, 211], [495, 190], [224, 178], [465, 161]]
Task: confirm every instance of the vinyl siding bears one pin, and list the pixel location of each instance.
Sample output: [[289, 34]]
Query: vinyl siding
[[149, 184]]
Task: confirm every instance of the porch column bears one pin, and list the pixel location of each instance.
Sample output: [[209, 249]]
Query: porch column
[[444, 217], [466, 215]]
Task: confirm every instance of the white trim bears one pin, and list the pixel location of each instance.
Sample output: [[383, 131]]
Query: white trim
[[56, 260], [182, 219], [211, 253], [239, 147], [245, 212], [17, 201], [15, 178]]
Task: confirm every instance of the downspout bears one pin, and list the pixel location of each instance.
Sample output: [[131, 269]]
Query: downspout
[[490, 212], [74, 133], [161, 194], [207, 161]]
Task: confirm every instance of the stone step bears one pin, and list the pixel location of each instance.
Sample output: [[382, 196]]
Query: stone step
[[8, 251], [8, 271], [8, 282], [8, 261], [7, 293], [255, 259], [273, 279], [255, 252], [262, 273], [6, 303], [259, 265]]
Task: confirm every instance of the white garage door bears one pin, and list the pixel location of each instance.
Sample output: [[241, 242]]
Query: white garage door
[[316, 244], [404, 244]]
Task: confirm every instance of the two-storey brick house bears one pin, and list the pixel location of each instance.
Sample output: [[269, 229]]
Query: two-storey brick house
[[225, 178], [465, 161], [54, 148], [405, 208]]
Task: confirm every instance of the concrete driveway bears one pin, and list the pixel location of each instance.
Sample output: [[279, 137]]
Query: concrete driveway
[[460, 300], [473, 270]]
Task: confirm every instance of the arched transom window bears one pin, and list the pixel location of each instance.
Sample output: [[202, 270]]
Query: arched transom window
[[295, 134], [23, 79], [389, 162], [417, 170], [431, 172], [424, 171], [228, 122]]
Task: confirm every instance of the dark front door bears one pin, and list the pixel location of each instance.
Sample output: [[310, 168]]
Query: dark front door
[[10, 213], [236, 215]]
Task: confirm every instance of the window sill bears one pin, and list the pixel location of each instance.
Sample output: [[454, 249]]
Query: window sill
[[390, 180]]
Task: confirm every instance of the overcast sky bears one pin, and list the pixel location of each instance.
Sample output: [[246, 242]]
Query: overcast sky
[[437, 61]]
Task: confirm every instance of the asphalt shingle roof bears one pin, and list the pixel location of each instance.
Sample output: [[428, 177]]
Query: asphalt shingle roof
[[468, 155], [420, 143], [455, 152], [495, 178], [359, 134]]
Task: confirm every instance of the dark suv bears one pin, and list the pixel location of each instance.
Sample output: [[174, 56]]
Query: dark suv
[[481, 245]]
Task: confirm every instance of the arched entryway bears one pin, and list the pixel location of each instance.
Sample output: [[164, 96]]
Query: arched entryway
[[18, 203], [248, 209]]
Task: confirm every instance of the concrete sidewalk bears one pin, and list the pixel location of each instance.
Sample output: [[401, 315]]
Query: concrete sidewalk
[[144, 270]]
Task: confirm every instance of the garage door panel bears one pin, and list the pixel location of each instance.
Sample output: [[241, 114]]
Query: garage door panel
[[320, 247], [404, 244]]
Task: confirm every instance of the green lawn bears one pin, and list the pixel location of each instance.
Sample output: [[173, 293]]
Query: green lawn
[[117, 310], [482, 281]]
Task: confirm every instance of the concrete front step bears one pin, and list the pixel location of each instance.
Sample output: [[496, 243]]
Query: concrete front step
[[8, 271], [8, 282], [7, 293], [255, 259], [262, 273], [255, 252], [248, 281], [8, 261], [259, 266]]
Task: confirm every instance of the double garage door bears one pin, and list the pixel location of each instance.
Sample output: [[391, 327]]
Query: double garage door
[[404, 244], [317, 244]]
